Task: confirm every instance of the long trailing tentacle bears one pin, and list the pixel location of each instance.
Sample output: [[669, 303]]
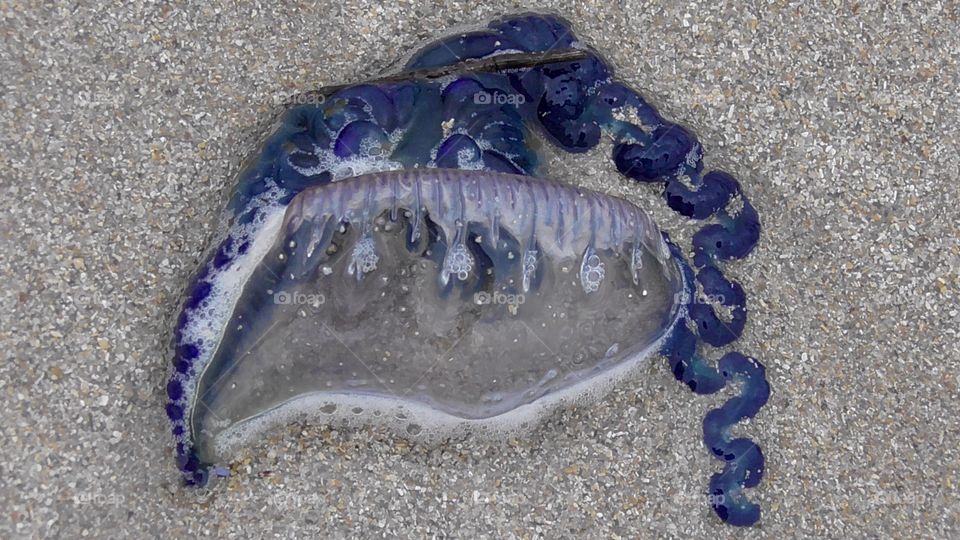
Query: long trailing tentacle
[[743, 459], [715, 313]]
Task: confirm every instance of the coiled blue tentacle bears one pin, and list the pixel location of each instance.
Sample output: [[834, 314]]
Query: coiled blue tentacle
[[743, 459], [716, 311], [572, 102]]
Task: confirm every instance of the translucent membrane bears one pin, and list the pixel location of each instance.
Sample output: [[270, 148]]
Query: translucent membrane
[[433, 299]]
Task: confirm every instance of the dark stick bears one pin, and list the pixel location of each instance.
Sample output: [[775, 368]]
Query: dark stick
[[502, 62]]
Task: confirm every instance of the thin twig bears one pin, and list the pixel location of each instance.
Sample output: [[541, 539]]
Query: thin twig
[[503, 62]]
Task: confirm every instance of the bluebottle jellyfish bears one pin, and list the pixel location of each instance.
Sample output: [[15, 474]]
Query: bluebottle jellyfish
[[393, 255]]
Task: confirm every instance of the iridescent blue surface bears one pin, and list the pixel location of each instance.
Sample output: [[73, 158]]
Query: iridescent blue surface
[[494, 120]]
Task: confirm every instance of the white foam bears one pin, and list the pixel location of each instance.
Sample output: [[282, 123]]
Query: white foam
[[207, 323]]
